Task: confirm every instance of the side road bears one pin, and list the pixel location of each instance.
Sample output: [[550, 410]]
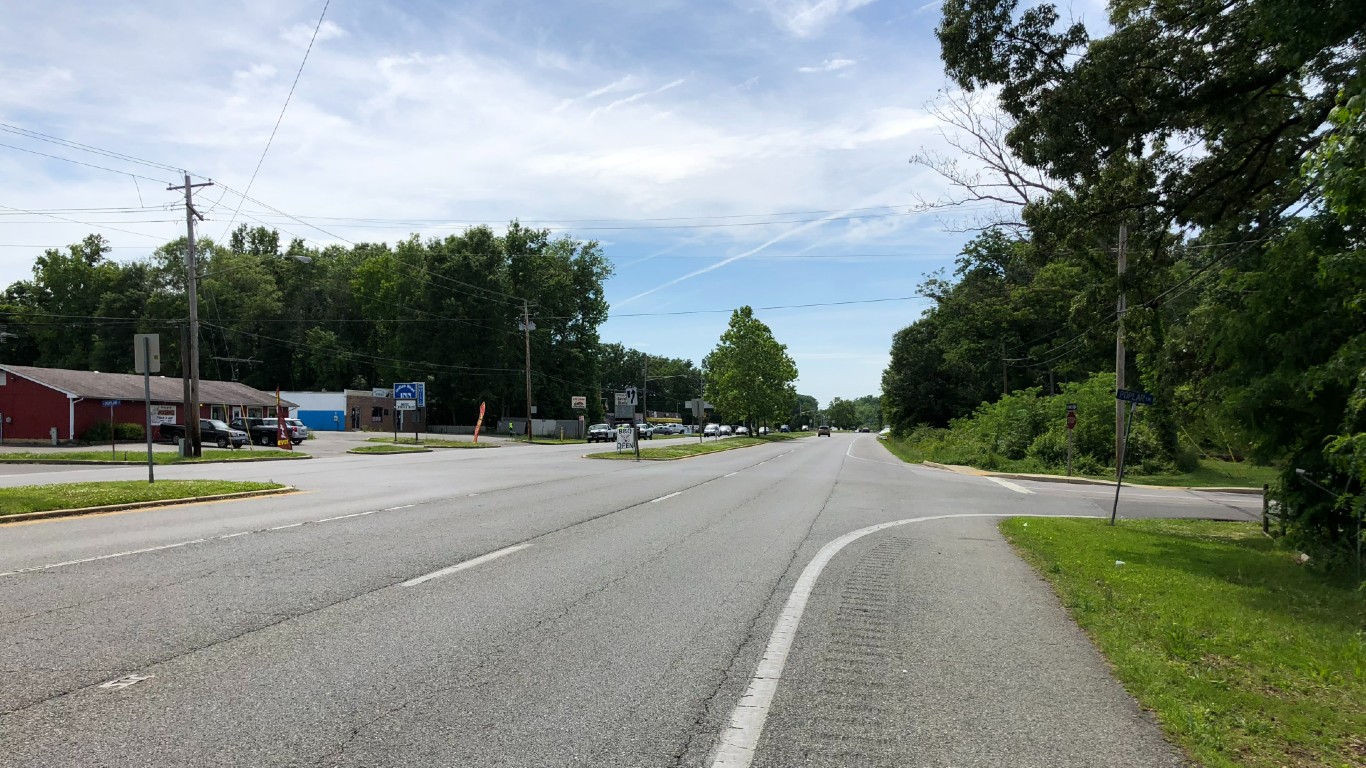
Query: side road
[[965, 470]]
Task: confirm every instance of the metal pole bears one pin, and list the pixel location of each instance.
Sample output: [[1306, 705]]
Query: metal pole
[[1070, 441], [147, 395], [1119, 478], [526, 334], [1121, 304], [113, 451]]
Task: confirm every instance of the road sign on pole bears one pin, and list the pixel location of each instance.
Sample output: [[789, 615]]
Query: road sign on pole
[[631, 395], [1132, 396], [146, 353]]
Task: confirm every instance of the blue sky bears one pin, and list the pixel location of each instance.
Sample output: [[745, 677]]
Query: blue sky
[[671, 132]]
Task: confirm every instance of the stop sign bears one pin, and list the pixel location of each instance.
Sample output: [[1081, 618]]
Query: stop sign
[[1071, 419]]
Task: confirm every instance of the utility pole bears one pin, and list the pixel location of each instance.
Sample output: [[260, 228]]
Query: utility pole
[[1005, 379], [526, 334], [644, 388], [192, 289], [1121, 304]]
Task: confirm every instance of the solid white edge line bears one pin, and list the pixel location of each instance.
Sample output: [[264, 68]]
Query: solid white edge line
[[667, 496], [1010, 485], [741, 737], [467, 564]]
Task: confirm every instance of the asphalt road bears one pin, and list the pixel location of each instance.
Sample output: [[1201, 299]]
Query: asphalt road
[[526, 607]]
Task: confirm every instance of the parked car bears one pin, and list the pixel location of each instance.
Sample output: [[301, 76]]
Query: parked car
[[823, 430], [886, 432], [742, 430], [601, 433], [301, 430], [784, 428], [763, 430], [266, 431], [725, 430], [862, 429], [646, 431], [711, 430], [211, 431]]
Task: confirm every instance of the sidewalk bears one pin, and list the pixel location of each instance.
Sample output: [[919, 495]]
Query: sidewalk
[[965, 470]]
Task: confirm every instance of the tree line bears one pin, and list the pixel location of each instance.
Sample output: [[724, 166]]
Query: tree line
[[1222, 144]]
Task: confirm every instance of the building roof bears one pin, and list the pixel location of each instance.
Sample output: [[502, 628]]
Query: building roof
[[129, 386]]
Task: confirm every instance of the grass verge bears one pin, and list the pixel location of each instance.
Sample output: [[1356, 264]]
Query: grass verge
[[1246, 658], [684, 450], [42, 498], [158, 457], [551, 440], [389, 449], [1211, 473], [430, 442]]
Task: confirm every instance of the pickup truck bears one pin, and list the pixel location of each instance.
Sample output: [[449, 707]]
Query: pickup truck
[[211, 431], [264, 431]]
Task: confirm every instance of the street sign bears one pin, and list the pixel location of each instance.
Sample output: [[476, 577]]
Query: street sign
[[1132, 396], [421, 394], [578, 401], [1071, 407], [405, 405], [1071, 419], [110, 403], [405, 391], [631, 395], [146, 353]]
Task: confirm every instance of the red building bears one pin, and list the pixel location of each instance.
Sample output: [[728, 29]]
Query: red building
[[34, 401]]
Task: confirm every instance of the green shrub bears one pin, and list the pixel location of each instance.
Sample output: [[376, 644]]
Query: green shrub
[[99, 432], [1049, 449]]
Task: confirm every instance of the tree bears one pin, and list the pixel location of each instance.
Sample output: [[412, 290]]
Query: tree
[[749, 374], [842, 414]]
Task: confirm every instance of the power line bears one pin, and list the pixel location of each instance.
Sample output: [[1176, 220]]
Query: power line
[[83, 223], [38, 135], [281, 117], [79, 162]]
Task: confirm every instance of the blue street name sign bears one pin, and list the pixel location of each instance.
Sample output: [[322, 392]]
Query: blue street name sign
[[111, 403], [1131, 396]]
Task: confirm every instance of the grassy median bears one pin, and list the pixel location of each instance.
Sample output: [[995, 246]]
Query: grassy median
[[389, 449], [42, 498], [707, 445], [1245, 657], [158, 457], [430, 443]]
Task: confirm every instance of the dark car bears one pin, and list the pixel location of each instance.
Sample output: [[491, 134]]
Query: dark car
[[823, 430], [211, 432]]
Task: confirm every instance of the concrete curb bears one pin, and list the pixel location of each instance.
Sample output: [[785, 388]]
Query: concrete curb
[[406, 449], [83, 462], [143, 505], [1086, 480]]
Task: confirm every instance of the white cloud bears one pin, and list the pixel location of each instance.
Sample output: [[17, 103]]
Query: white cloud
[[637, 96], [829, 65], [298, 35], [809, 18]]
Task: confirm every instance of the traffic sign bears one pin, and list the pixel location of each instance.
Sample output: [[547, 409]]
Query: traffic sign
[[1132, 396], [405, 391], [111, 403], [405, 405], [1071, 407], [631, 395], [1071, 419], [146, 353]]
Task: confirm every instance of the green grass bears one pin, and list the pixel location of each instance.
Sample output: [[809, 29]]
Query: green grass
[[694, 448], [158, 457], [41, 498], [551, 440], [430, 442], [1246, 658], [389, 449], [1211, 473]]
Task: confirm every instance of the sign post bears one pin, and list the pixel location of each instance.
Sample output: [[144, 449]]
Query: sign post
[[1071, 430], [1133, 398], [110, 405], [147, 361], [479, 424]]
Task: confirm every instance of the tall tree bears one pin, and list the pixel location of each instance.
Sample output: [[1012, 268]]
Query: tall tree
[[749, 375]]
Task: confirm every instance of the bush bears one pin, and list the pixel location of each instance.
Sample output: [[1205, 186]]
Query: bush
[[99, 432]]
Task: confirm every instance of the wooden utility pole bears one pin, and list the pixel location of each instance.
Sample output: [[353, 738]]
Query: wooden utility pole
[[1121, 304], [1005, 379], [192, 437], [526, 334]]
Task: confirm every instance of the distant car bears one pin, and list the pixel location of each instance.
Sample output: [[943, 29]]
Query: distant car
[[784, 428], [763, 430], [646, 431], [863, 429], [601, 433], [742, 430], [272, 424], [886, 432], [823, 431], [711, 430], [724, 429]]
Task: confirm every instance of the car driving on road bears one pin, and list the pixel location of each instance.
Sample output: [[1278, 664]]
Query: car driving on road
[[823, 430]]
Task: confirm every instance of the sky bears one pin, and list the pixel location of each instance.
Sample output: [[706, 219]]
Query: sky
[[722, 152]]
